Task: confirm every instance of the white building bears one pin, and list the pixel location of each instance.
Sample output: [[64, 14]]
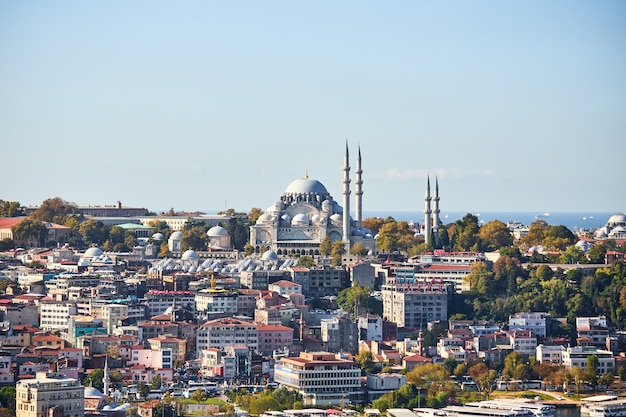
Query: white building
[[55, 315], [550, 354], [216, 300], [225, 332], [284, 287], [535, 322], [321, 377], [370, 327], [49, 394], [578, 355]]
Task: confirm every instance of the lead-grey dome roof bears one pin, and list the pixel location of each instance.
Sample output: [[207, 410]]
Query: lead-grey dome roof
[[306, 185]]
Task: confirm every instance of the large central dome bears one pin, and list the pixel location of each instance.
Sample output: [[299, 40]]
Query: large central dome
[[306, 185]]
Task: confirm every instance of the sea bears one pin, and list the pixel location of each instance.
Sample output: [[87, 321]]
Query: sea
[[574, 221], [567, 412]]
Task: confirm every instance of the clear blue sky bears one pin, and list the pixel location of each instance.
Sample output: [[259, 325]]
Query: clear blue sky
[[201, 105]]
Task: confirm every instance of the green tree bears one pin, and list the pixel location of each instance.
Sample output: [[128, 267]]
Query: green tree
[[306, 261], [572, 255], [94, 379], [466, 234], [481, 279], [164, 250], [143, 389], [536, 232], [54, 210], [11, 209], [93, 232], [254, 214], [34, 232], [349, 298], [248, 249], [591, 370], [450, 364], [373, 223], [239, 229], [336, 252], [326, 246], [396, 236], [597, 253], [194, 238], [358, 249], [365, 360], [156, 382], [495, 235], [510, 364], [559, 237], [7, 244], [7, 398]]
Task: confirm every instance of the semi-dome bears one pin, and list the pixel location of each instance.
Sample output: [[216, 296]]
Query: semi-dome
[[189, 255], [93, 252], [217, 231], [306, 185]]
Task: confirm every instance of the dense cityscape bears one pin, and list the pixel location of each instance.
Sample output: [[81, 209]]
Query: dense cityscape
[[306, 309]]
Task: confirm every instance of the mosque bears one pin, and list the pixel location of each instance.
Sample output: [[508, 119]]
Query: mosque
[[306, 214]]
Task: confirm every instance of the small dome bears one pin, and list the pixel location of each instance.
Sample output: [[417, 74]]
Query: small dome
[[269, 255], [306, 185], [285, 217], [84, 262], [336, 217], [93, 252], [263, 218], [93, 392], [157, 236], [177, 235], [217, 231], [189, 255], [315, 218], [300, 219]]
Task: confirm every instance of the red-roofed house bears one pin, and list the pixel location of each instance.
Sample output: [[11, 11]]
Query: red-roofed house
[[409, 362]]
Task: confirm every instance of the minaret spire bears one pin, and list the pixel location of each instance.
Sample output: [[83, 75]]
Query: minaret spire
[[346, 199], [106, 378], [359, 191], [427, 212], [436, 210]]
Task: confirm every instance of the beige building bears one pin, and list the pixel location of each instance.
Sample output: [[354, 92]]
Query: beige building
[[49, 394], [176, 345], [412, 306]]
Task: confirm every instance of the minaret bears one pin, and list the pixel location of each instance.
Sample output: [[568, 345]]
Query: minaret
[[346, 199], [105, 378], [436, 211], [359, 191], [427, 212]]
